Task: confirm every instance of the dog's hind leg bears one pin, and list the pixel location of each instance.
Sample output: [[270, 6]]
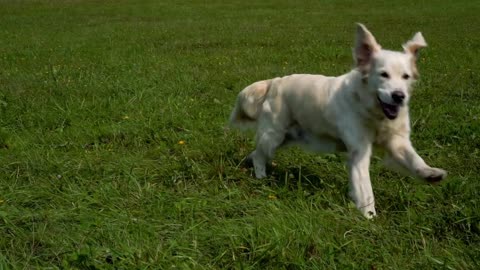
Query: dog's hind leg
[[272, 126]]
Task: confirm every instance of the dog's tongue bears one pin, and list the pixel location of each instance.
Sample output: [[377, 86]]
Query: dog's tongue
[[390, 111]]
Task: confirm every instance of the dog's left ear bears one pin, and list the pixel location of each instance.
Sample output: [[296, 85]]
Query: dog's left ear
[[414, 45]]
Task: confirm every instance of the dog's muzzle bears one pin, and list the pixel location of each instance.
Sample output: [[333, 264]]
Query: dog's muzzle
[[390, 111]]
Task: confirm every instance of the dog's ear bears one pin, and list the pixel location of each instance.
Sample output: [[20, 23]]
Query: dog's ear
[[365, 47], [414, 45]]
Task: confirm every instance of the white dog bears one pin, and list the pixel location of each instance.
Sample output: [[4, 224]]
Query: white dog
[[365, 108]]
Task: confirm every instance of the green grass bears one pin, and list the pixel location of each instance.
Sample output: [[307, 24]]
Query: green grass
[[96, 95]]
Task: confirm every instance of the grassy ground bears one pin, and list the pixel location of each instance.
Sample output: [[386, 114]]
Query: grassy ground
[[95, 97]]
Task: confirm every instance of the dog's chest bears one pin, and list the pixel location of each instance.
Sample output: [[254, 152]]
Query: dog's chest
[[386, 129]]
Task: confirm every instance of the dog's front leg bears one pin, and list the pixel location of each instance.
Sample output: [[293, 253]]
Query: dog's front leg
[[401, 152], [360, 186]]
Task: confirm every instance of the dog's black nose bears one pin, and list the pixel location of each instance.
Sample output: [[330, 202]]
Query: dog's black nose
[[398, 96]]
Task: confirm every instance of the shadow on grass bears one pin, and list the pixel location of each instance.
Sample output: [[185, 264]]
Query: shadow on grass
[[301, 177]]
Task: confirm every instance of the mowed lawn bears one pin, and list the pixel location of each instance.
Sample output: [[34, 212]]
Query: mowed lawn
[[115, 151]]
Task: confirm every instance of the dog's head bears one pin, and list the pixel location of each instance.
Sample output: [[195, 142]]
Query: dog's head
[[389, 74]]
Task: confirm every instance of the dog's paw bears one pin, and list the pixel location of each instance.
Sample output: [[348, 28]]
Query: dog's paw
[[433, 175], [368, 212], [260, 174]]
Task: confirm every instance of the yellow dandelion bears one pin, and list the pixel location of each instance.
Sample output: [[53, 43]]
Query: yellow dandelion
[[272, 197], [181, 142]]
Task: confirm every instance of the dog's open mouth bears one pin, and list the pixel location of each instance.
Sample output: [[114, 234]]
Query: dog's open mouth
[[390, 111]]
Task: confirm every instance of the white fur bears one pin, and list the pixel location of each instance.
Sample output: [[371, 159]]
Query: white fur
[[341, 113]]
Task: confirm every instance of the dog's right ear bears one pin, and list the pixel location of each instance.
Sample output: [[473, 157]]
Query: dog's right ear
[[365, 47]]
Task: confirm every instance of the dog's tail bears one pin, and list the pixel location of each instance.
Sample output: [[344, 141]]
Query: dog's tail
[[249, 104]]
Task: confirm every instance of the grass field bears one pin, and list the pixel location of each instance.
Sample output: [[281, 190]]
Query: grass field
[[114, 151]]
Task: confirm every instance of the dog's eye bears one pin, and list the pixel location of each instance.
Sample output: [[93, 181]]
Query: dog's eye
[[385, 75], [406, 76]]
